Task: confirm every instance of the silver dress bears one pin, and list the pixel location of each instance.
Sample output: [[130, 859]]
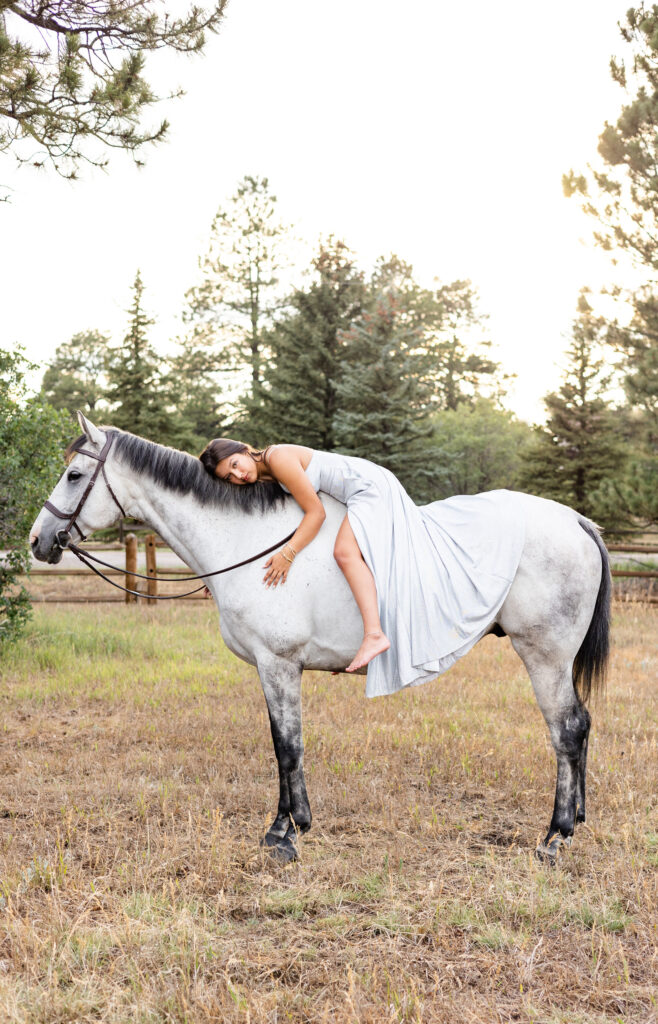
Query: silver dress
[[442, 571]]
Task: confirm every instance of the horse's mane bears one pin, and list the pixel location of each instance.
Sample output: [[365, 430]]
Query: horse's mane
[[184, 474]]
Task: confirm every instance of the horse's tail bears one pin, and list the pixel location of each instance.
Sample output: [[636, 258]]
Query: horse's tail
[[591, 662]]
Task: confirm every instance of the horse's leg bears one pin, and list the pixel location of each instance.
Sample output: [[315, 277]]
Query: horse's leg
[[556, 616], [281, 681], [582, 774], [568, 723]]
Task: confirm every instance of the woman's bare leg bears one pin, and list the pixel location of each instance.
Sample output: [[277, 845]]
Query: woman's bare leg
[[362, 584]]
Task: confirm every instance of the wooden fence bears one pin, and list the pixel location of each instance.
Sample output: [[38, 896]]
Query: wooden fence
[[149, 588], [649, 594]]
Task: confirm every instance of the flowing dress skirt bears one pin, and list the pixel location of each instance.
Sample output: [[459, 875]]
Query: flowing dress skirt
[[442, 571]]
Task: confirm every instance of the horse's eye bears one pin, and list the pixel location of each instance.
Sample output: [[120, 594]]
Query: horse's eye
[[73, 475]]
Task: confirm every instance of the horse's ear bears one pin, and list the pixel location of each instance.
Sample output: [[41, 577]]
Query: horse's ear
[[92, 432]]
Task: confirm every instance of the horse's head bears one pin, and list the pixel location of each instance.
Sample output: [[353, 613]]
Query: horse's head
[[81, 501]]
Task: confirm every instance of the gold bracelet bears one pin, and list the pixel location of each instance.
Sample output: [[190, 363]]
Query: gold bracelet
[[291, 548], [286, 558]]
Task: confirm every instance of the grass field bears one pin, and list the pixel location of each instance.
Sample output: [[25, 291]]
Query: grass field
[[138, 776]]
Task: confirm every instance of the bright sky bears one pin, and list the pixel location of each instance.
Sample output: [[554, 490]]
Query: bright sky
[[438, 131]]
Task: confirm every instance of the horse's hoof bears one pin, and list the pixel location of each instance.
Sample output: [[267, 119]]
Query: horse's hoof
[[549, 851], [280, 849]]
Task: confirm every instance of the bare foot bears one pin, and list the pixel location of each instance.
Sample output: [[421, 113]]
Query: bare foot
[[373, 644]]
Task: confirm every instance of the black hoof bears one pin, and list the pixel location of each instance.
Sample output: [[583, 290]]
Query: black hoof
[[549, 851], [280, 849]]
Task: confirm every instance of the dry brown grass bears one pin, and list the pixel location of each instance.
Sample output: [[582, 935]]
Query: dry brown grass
[[138, 776]]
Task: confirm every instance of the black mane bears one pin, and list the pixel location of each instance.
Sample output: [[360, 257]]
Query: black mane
[[184, 474]]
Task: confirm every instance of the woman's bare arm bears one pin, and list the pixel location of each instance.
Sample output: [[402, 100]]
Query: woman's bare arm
[[286, 466]]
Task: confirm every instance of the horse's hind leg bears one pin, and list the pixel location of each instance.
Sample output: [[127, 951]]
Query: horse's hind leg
[[281, 681], [568, 723], [582, 773]]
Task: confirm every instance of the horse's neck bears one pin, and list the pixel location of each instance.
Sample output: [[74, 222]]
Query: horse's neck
[[203, 536]]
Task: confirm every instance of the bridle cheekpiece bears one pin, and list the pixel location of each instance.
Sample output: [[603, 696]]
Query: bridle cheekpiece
[[63, 537]]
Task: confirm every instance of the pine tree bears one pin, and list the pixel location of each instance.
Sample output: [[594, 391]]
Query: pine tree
[[638, 345], [298, 401], [231, 308], [72, 75], [75, 378], [382, 402], [192, 390], [578, 448], [458, 357], [622, 195], [630, 500], [134, 383]]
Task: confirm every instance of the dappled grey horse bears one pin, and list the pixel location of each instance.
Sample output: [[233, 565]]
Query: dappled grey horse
[[556, 612]]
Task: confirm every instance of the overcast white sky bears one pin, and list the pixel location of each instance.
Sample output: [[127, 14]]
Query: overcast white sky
[[435, 130]]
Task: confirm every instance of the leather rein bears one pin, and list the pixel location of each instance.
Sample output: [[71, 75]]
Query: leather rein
[[64, 540]]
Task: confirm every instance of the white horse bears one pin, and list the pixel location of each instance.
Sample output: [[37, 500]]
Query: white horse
[[556, 612]]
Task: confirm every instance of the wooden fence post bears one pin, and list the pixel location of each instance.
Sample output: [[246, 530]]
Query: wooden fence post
[[131, 567], [151, 584]]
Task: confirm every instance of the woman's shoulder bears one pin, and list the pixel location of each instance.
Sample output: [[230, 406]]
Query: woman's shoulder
[[286, 452]]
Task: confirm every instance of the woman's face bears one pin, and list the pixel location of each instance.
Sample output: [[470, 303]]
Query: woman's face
[[237, 469]]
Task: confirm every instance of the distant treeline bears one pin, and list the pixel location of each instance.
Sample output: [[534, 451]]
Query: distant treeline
[[371, 365]]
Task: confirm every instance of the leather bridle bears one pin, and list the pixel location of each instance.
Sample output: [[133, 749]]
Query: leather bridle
[[63, 537], [64, 541]]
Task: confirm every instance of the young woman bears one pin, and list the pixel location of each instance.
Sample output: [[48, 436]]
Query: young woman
[[238, 463], [428, 580]]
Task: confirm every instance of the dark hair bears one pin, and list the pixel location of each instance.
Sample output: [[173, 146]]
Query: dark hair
[[183, 474], [221, 448]]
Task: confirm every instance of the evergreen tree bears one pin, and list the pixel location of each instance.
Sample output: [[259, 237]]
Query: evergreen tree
[[622, 195], [393, 275], [638, 345], [72, 75], [630, 500], [298, 402], [458, 359], [231, 308], [459, 364], [192, 390], [578, 448], [74, 379], [134, 383], [382, 402]]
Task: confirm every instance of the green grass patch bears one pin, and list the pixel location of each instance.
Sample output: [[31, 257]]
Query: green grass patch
[[118, 654]]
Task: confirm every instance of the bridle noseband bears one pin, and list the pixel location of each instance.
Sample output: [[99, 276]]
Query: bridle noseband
[[63, 537]]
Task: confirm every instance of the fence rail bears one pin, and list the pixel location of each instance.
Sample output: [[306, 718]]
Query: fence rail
[[149, 588]]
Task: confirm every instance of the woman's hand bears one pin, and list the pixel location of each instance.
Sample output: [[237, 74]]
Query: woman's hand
[[278, 568]]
